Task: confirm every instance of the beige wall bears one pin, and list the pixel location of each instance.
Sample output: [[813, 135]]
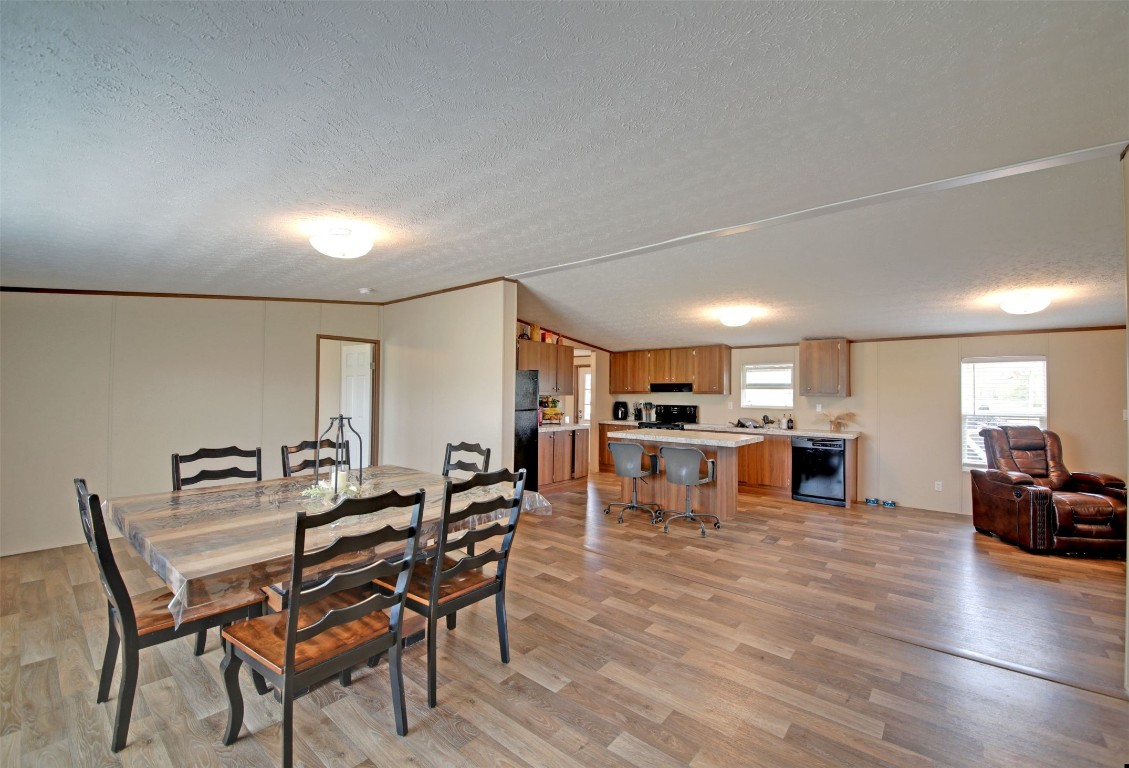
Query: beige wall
[[108, 387], [329, 382], [448, 375], [906, 399]]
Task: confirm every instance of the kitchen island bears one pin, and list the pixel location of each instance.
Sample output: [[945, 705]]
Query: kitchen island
[[716, 498]]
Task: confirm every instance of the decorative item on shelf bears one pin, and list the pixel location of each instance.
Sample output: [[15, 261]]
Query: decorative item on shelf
[[523, 332], [836, 421], [535, 332], [339, 481], [550, 410]]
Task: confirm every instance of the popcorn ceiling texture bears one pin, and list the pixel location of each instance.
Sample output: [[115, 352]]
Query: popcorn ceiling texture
[[174, 147]]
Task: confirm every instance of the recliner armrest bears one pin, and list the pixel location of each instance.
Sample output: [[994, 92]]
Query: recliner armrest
[[1097, 478], [1011, 478]]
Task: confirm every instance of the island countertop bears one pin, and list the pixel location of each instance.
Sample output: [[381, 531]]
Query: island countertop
[[688, 437]]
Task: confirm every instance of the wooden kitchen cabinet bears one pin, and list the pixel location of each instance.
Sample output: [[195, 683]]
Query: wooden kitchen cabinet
[[825, 368], [706, 369], [629, 372], [580, 449], [711, 365], [671, 366], [553, 363], [554, 457], [767, 464]]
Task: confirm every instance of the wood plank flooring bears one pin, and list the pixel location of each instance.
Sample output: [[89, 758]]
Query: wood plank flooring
[[798, 635]]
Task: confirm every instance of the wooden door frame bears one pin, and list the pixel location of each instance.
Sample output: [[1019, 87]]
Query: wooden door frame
[[374, 427]]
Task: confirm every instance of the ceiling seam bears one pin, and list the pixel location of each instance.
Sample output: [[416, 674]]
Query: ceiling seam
[[1028, 166]]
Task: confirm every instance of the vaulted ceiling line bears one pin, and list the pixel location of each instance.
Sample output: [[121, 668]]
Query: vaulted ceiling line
[[1029, 166]]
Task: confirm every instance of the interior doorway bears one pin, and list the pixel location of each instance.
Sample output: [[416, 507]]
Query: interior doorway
[[348, 383]]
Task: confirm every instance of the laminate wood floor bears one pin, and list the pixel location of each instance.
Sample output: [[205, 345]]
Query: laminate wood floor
[[798, 635]]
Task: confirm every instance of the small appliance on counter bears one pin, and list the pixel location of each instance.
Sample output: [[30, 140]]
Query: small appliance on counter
[[672, 417], [619, 410], [637, 411]]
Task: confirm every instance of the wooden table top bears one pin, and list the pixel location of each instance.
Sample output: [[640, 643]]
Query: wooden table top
[[208, 542]]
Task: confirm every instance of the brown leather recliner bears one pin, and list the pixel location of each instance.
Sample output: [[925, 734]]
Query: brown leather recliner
[[1028, 497]]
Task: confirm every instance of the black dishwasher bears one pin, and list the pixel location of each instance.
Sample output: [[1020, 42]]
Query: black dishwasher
[[818, 470]]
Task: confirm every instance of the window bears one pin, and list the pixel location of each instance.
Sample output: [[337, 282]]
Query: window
[[766, 386], [999, 390], [586, 407]]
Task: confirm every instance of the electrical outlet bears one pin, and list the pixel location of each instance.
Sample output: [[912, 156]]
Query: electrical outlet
[[819, 407], [937, 486], [730, 404], [1125, 415]]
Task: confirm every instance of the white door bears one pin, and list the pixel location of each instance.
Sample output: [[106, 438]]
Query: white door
[[356, 398]]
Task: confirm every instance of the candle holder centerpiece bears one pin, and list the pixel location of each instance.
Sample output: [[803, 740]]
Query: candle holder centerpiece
[[341, 453]]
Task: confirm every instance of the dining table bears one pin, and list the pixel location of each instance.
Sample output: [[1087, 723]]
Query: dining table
[[210, 542]]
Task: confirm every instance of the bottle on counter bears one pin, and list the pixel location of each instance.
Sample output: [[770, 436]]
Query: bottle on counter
[[789, 424]]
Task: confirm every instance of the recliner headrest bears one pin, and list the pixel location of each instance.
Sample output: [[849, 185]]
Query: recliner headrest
[[1026, 438]]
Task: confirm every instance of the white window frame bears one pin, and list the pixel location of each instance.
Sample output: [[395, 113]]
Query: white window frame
[[975, 414], [586, 388], [749, 393]]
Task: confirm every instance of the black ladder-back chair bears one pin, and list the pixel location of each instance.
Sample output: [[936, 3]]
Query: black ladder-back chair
[[683, 467], [466, 466], [455, 584], [178, 482], [333, 625], [629, 463], [142, 621], [289, 470]]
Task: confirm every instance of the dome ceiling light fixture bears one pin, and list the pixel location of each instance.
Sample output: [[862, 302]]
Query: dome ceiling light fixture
[[1025, 302], [735, 317], [342, 243]]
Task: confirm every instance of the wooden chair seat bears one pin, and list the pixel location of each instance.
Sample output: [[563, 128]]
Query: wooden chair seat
[[153, 615], [419, 587], [264, 637]]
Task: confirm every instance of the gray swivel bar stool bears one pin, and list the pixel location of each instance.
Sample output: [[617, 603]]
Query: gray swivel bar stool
[[629, 463], [683, 467]]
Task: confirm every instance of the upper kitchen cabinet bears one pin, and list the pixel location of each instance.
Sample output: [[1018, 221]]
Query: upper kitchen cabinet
[[711, 369], [706, 369], [630, 372], [825, 368], [553, 363], [670, 366]]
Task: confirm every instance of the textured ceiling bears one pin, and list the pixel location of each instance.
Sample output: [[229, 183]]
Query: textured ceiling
[[179, 148]]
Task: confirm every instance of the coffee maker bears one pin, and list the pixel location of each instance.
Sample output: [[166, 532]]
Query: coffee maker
[[619, 410]]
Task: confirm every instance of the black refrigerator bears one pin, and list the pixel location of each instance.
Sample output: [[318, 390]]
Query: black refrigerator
[[525, 427]]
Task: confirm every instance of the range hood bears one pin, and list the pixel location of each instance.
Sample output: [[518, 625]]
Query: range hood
[[671, 387]]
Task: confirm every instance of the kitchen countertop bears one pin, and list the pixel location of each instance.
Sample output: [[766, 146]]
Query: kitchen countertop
[[776, 431], [562, 427], [750, 431], [716, 439]]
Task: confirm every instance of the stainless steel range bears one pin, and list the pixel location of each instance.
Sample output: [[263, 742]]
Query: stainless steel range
[[672, 417]]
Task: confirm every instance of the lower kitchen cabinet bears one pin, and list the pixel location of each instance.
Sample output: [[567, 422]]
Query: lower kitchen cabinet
[[767, 464], [562, 455], [580, 448]]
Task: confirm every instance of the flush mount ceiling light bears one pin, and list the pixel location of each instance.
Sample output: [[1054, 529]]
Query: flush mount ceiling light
[[735, 317], [342, 243], [1025, 302]]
